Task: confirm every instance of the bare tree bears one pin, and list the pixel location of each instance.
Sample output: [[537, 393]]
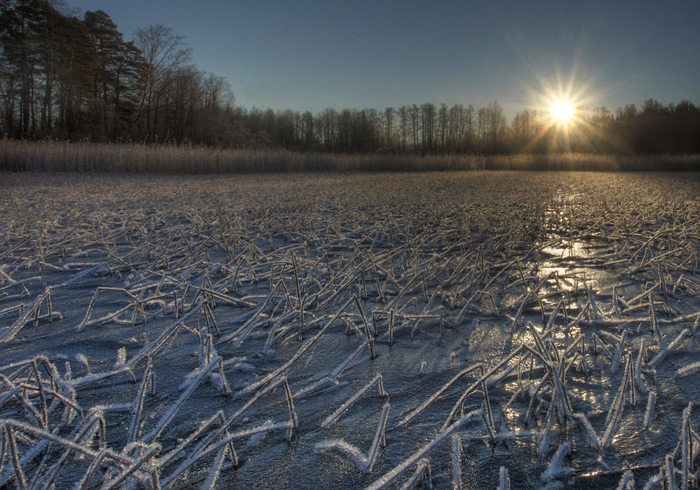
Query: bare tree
[[163, 53], [389, 127], [403, 126]]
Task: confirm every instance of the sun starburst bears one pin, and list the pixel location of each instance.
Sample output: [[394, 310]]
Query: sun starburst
[[561, 106], [563, 111]]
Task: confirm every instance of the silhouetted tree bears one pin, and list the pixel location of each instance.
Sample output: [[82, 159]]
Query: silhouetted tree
[[164, 54]]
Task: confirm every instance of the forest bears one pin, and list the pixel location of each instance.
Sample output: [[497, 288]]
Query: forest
[[65, 76]]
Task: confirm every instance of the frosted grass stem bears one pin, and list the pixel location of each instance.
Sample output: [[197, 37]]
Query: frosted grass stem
[[685, 333], [290, 404], [218, 445], [332, 378], [503, 479], [215, 470], [148, 350], [413, 413], [61, 441], [129, 470], [391, 327], [12, 443], [254, 386], [138, 404], [379, 437], [687, 455], [456, 462], [30, 310], [627, 481], [476, 385], [332, 418], [669, 472], [590, 433], [615, 412], [650, 413], [618, 353], [686, 370], [389, 477], [167, 417], [419, 476], [555, 469], [244, 330], [638, 368]]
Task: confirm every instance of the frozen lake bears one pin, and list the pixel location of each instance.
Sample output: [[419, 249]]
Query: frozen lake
[[350, 331]]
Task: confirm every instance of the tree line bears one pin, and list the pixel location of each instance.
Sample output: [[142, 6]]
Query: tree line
[[77, 78]]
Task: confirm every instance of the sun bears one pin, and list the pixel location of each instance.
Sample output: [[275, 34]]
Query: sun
[[563, 111]]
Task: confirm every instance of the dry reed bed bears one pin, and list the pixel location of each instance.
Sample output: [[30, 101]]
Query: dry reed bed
[[62, 156], [473, 330]]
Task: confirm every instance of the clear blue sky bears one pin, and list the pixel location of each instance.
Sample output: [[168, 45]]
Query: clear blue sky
[[309, 55]]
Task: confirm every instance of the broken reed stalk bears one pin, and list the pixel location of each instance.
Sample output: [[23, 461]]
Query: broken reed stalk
[[686, 443], [29, 311], [413, 413], [421, 474], [138, 404], [149, 350], [674, 345], [168, 416], [555, 469], [391, 327], [474, 386], [12, 443], [66, 443], [332, 378], [300, 299], [590, 433], [650, 413], [615, 413], [239, 335], [638, 368], [254, 386], [618, 352], [217, 444], [290, 404], [332, 418], [368, 332], [215, 470], [456, 462], [503, 479], [232, 419], [389, 477], [128, 471], [379, 437]]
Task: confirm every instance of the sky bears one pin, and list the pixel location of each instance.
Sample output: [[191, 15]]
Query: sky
[[310, 55]]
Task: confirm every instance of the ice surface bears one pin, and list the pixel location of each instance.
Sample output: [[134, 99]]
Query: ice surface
[[204, 330]]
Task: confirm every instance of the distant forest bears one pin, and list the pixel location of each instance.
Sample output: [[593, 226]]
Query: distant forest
[[70, 78]]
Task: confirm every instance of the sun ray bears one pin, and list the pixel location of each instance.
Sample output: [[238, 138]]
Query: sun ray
[[561, 105]]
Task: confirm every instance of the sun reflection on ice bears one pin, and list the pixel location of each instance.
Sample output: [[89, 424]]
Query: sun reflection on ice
[[566, 249]]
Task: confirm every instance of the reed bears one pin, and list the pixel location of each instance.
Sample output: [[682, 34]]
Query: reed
[[556, 468], [456, 462], [64, 156], [421, 475], [389, 477], [627, 481], [364, 461], [377, 380]]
